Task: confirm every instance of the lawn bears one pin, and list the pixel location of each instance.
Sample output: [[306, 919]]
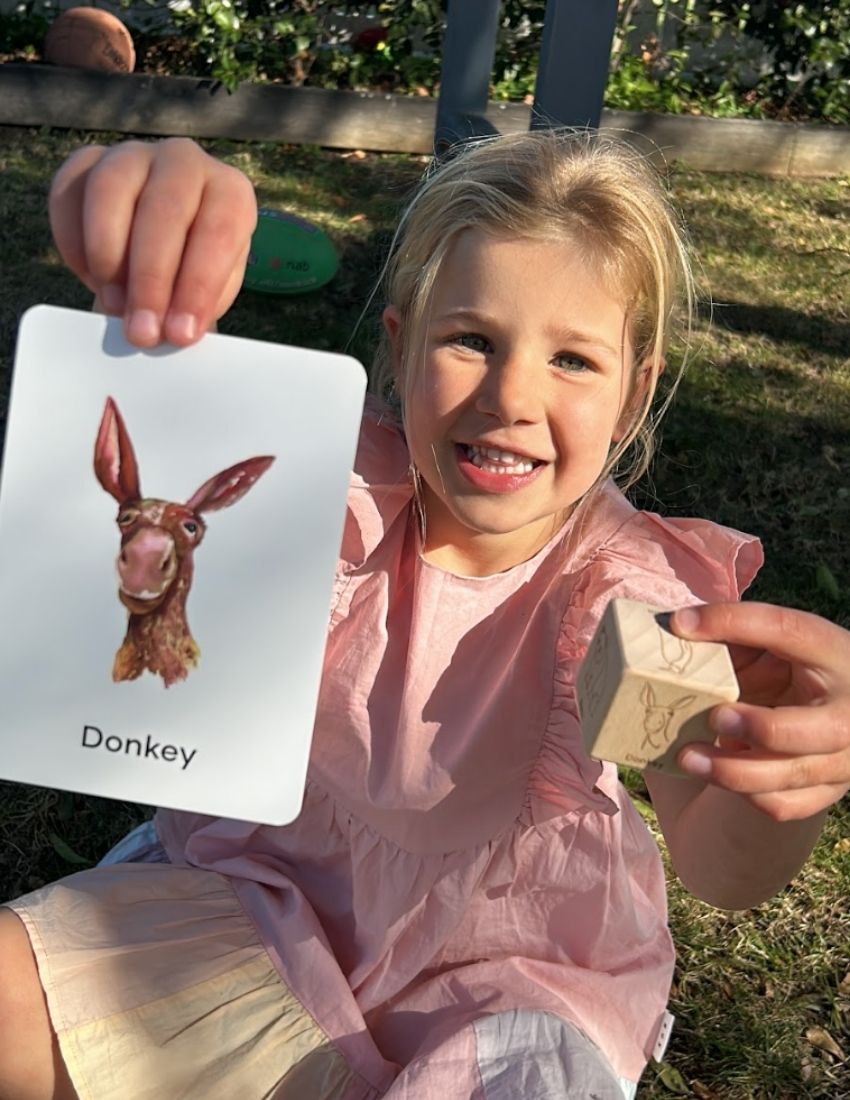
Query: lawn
[[758, 438]]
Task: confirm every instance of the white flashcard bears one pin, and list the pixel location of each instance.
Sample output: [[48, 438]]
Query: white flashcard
[[170, 523]]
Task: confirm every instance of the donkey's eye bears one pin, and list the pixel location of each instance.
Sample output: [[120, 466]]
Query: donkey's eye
[[191, 527], [126, 518]]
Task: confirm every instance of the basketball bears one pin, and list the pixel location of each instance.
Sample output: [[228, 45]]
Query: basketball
[[88, 38]]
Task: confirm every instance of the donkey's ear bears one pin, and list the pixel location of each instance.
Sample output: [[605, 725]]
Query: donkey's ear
[[114, 461], [229, 486]]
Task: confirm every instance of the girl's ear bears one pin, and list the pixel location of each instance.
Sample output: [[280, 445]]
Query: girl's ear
[[636, 399], [392, 324]]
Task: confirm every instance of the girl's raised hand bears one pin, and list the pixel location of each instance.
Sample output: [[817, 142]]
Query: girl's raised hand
[[158, 231], [785, 745]]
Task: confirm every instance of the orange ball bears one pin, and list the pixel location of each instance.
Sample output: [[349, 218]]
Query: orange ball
[[88, 38]]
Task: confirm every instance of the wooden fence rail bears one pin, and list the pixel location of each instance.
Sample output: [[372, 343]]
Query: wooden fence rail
[[41, 95]]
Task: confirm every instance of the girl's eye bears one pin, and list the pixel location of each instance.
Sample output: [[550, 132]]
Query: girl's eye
[[571, 364], [473, 342]]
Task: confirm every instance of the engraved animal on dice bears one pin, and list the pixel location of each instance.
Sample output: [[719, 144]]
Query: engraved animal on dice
[[155, 562], [658, 717], [676, 653]]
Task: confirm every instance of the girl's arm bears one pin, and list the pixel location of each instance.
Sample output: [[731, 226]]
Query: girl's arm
[[158, 231], [744, 822]]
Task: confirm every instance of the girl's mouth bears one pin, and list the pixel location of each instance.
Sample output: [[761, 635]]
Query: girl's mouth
[[495, 470]]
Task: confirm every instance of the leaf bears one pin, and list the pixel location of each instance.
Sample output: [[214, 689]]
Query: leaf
[[65, 806], [826, 582], [821, 1039], [671, 1079], [67, 852]]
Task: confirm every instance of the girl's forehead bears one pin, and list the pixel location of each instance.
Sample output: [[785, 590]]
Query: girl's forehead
[[534, 272], [483, 250]]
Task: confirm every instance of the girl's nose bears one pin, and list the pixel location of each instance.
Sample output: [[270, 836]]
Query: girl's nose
[[511, 390]]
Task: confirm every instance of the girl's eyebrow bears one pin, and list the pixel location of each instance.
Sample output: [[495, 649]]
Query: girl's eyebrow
[[566, 335]]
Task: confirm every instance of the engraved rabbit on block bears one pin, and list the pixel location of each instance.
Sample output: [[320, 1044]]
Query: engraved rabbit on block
[[658, 716], [676, 655]]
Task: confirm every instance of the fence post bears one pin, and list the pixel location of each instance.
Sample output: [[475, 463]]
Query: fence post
[[469, 46], [574, 59]]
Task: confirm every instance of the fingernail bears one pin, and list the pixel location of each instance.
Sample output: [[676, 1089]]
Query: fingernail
[[728, 722], [687, 620], [112, 299], [143, 327], [181, 328], [695, 763]]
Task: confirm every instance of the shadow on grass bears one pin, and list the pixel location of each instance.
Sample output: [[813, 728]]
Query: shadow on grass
[[769, 455], [817, 333]]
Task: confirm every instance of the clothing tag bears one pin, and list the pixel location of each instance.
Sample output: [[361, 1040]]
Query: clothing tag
[[665, 1030]]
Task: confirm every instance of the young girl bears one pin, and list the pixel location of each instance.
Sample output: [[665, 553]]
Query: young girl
[[468, 906]]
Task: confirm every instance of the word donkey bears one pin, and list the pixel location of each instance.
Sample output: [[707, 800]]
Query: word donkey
[[158, 540]]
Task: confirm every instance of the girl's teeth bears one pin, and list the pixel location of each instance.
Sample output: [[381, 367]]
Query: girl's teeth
[[503, 462]]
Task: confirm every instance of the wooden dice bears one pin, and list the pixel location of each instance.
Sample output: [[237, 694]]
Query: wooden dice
[[643, 693]]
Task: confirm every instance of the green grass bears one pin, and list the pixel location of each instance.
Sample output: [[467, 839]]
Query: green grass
[[758, 438]]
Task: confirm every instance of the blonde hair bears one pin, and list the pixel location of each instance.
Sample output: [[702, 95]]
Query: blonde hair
[[594, 191]]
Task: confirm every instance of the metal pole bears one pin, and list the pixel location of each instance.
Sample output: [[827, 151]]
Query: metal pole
[[469, 46], [574, 59]]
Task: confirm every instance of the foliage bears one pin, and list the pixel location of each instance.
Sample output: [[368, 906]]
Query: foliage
[[716, 57], [723, 57], [391, 45], [22, 31], [809, 47]]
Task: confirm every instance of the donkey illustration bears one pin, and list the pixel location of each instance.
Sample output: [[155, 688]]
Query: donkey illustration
[[158, 540], [657, 717]]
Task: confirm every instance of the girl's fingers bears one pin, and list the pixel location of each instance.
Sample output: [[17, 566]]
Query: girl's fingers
[[213, 260], [162, 220], [809, 730], [159, 231], [65, 209], [793, 635], [112, 191], [759, 772], [798, 805]]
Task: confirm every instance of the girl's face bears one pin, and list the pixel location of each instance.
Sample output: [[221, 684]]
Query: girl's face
[[519, 387]]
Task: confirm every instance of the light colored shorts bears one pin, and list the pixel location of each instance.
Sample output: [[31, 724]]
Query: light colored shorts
[[159, 988]]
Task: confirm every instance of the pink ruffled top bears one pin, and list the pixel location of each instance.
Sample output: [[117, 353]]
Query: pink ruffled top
[[458, 853]]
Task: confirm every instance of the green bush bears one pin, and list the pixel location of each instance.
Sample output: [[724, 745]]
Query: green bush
[[669, 55], [810, 45], [300, 41]]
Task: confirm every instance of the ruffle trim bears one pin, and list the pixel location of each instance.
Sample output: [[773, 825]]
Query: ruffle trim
[[380, 488], [673, 563]]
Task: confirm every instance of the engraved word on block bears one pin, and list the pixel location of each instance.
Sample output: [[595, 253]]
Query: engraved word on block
[[643, 693]]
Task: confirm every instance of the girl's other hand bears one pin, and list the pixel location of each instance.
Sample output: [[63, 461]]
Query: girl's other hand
[[785, 746], [158, 231]]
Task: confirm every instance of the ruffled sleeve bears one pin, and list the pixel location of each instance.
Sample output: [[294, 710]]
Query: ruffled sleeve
[[380, 488], [669, 562]]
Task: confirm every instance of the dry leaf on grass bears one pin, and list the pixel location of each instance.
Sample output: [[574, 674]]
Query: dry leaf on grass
[[671, 1079], [821, 1039]]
